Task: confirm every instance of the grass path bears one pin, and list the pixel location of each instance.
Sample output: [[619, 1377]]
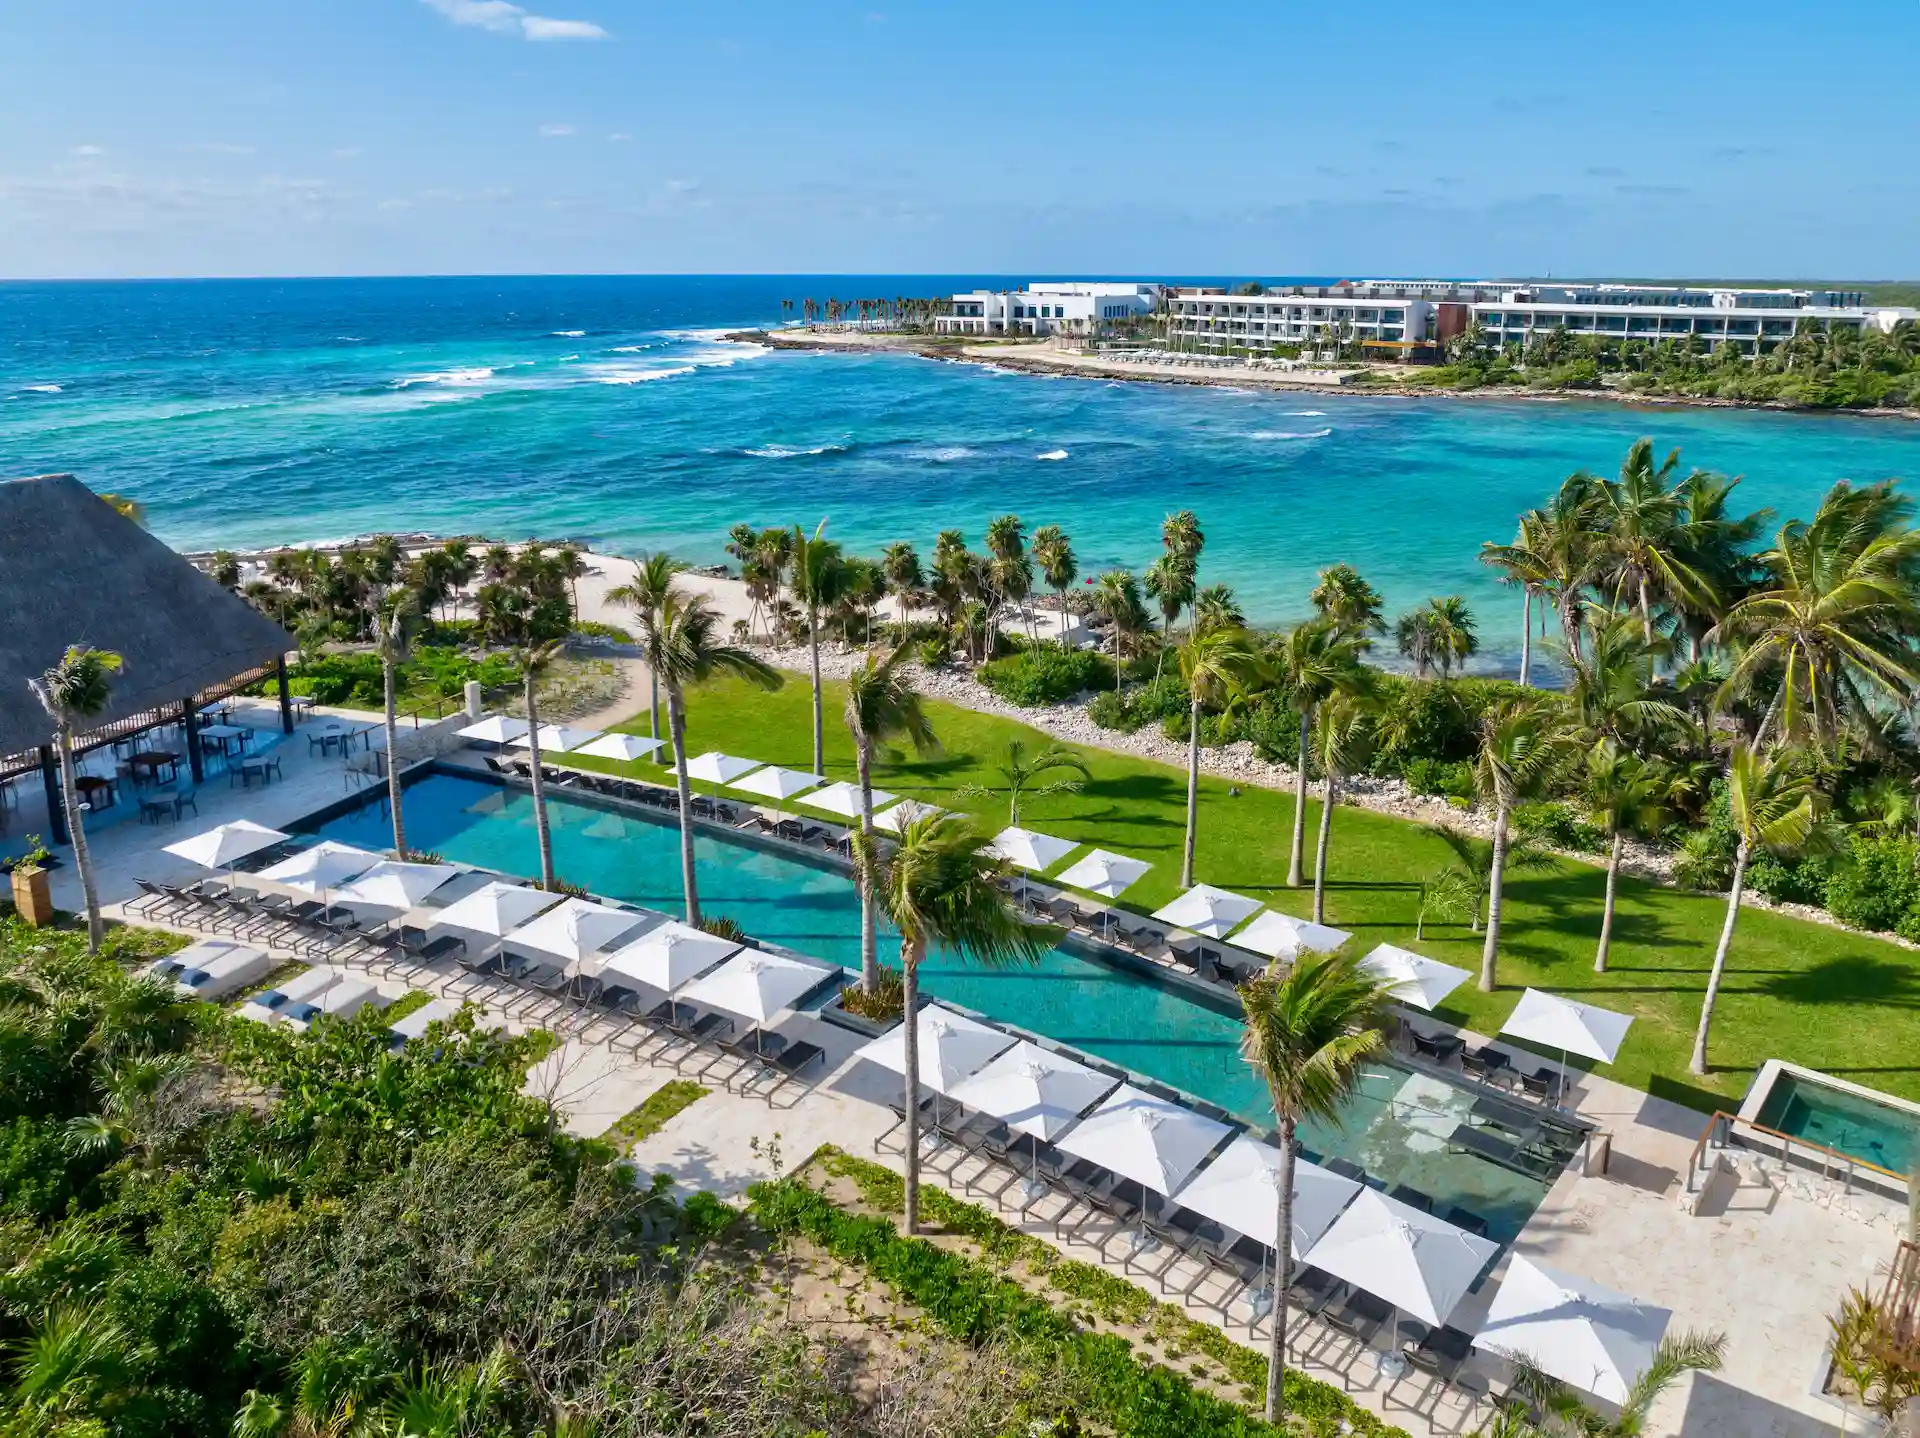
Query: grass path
[[1835, 1001]]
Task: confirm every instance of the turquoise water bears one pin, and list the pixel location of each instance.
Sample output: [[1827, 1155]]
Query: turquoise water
[[1395, 1128], [1884, 1136], [249, 412]]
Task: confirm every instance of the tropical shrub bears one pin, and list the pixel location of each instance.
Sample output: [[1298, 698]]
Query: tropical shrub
[[1446, 779], [1558, 827], [1046, 675], [1875, 883], [1274, 728], [1801, 880], [1112, 711]]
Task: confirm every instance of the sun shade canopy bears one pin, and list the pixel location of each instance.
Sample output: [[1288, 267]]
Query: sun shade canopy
[[1415, 979], [1597, 1340], [1281, 936], [1567, 1025], [1207, 910], [1108, 875], [952, 1047], [1153, 1141], [1241, 1188]]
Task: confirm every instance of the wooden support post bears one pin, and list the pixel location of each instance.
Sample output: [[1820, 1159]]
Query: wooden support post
[[56, 807], [286, 695]]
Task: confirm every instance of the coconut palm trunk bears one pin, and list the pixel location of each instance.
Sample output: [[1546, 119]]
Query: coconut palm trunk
[[677, 722], [1282, 1272], [1698, 1064], [1297, 851], [540, 827], [813, 646], [869, 919], [77, 832], [1320, 851], [1526, 633], [1193, 793], [1491, 948], [388, 683], [653, 703], [910, 956], [1606, 912]]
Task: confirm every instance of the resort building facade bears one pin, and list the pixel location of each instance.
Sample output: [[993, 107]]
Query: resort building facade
[[1047, 307], [1409, 315]]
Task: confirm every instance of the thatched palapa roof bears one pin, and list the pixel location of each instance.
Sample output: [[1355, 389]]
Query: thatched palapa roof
[[73, 571]]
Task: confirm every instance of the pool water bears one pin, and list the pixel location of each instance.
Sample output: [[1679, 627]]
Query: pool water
[[1848, 1123], [1395, 1128]]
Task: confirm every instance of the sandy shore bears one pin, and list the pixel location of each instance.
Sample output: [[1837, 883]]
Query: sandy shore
[[1042, 357]]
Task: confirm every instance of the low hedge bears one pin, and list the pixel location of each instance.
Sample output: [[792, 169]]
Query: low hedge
[[1046, 675], [970, 1300]]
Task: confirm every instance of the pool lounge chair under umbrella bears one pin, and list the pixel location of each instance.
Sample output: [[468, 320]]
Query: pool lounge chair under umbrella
[[1415, 978], [778, 784], [1207, 910], [494, 909], [392, 884], [952, 1047], [1035, 1092], [225, 845], [668, 956], [1032, 852], [1572, 1328], [1567, 1025], [1153, 1141], [624, 747], [494, 729], [320, 870], [1103, 873], [575, 928], [757, 985], [1282, 936], [557, 738], [713, 767], [844, 799], [907, 811]]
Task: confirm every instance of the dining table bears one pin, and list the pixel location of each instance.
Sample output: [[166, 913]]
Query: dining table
[[152, 761]]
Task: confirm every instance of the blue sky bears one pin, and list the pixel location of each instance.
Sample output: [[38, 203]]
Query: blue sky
[[191, 137]]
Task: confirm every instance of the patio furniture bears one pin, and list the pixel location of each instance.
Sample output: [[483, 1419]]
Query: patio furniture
[[1486, 1063], [1360, 1316], [151, 761], [302, 707], [1467, 1219], [1438, 1047], [1346, 1168], [790, 1063], [1440, 1352], [1542, 1083], [91, 788], [1411, 1197], [152, 811], [1521, 1124]]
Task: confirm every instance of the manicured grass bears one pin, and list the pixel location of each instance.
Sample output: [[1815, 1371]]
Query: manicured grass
[[654, 1111], [409, 1001], [1834, 1001]]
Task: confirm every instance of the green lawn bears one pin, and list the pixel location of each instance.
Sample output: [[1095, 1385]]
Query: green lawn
[[1831, 1000]]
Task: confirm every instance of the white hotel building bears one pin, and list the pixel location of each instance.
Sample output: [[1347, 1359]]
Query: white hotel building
[[1047, 307], [1405, 315]]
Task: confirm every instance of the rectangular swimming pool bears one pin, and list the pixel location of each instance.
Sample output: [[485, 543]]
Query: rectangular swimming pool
[[1843, 1117], [1396, 1128]]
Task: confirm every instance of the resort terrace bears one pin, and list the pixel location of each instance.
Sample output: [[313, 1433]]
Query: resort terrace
[[1759, 1249]]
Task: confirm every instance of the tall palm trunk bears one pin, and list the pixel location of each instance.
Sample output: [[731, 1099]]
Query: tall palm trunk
[[677, 722], [1282, 1278], [869, 924], [1646, 610], [653, 703], [1491, 948], [910, 956], [1320, 851], [539, 788], [1526, 633], [1699, 1062], [1193, 792], [393, 767], [1570, 622], [1606, 912], [1299, 848], [813, 645], [1166, 642], [77, 832], [1116, 659]]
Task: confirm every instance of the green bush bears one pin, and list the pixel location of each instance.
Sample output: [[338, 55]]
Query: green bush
[[1558, 827], [1046, 675], [356, 679], [1275, 731], [1875, 884], [1442, 778], [934, 651], [1111, 711], [1791, 881]]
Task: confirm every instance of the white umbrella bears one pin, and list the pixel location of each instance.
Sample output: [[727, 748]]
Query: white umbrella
[[1416, 979], [1279, 935], [225, 845], [1031, 851], [952, 1047], [1207, 910], [668, 956], [575, 928], [778, 784], [1598, 1340], [844, 799], [907, 811], [1034, 1092], [713, 767], [494, 908], [495, 729], [1102, 873], [757, 984], [1153, 1141], [321, 869], [391, 884], [557, 738], [1411, 1259], [1567, 1025], [624, 747], [1241, 1189]]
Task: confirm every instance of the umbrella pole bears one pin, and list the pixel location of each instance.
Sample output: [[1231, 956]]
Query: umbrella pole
[[1393, 1364]]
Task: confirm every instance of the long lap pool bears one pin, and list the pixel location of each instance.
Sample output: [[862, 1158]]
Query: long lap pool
[[1396, 1128]]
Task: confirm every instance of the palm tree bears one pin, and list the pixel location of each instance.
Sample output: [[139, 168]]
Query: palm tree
[[393, 642], [816, 584], [1625, 795], [535, 659], [1342, 744], [691, 653], [1452, 629], [1215, 608], [1774, 802], [1019, 773], [1473, 863], [1345, 598], [942, 886], [73, 691], [1559, 551], [1170, 583], [80, 1362], [1053, 552], [644, 594], [1716, 546], [1117, 598], [1524, 744], [446, 1400], [1219, 667], [1832, 617], [900, 568], [1413, 637], [1613, 692], [1563, 1414], [1522, 563], [1317, 660], [882, 705], [1309, 1035], [1640, 516]]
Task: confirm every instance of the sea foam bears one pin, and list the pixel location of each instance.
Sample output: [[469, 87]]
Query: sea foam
[[40, 389], [1272, 434], [1052, 454]]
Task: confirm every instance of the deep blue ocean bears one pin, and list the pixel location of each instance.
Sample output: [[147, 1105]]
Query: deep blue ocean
[[608, 409]]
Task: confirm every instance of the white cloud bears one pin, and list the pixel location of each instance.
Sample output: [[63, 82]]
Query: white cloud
[[555, 132], [88, 152], [619, 135], [506, 19]]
